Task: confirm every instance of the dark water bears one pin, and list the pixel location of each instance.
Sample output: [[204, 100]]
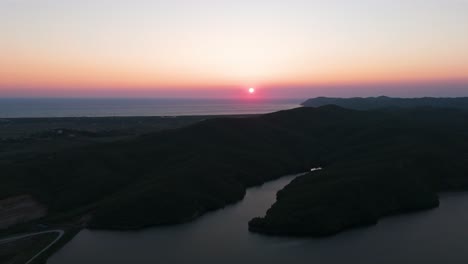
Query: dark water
[[435, 236], [10, 108]]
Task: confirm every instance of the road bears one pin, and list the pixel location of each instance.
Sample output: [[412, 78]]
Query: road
[[18, 237]]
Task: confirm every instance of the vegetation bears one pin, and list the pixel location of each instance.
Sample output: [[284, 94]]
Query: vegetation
[[22, 250], [387, 162], [376, 163]]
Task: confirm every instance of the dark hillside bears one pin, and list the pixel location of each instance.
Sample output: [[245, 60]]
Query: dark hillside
[[370, 103], [377, 163]]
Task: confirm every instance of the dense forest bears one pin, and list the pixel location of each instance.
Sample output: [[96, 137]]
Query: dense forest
[[384, 162], [375, 163]]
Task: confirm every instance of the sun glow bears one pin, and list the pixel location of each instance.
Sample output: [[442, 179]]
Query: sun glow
[[75, 48]]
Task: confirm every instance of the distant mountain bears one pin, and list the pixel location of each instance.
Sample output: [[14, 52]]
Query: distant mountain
[[368, 103]]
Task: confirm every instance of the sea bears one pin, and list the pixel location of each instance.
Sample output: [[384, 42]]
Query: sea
[[86, 107]]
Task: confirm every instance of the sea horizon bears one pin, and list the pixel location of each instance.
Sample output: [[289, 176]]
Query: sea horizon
[[46, 107]]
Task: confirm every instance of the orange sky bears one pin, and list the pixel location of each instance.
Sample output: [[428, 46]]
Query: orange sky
[[110, 47]]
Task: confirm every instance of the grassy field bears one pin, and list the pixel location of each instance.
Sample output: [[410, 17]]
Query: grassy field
[[20, 251]]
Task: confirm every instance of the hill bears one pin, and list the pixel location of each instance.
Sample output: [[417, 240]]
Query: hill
[[370, 103], [376, 163]]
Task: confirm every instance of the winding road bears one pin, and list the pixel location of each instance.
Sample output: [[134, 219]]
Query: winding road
[[14, 238]]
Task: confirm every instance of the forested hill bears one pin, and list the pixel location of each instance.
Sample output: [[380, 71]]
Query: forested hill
[[376, 163], [369, 103]]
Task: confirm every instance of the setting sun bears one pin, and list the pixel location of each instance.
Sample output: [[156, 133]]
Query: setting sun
[[120, 120]]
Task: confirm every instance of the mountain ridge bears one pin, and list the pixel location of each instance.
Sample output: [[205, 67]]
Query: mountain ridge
[[372, 103]]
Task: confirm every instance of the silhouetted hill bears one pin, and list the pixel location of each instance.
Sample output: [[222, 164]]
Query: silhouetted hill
[[370, 103], [376, 163]]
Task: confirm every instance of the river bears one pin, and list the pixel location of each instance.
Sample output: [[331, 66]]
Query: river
[[434, 236]]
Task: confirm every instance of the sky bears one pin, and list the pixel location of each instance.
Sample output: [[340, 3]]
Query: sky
[[216, 48]]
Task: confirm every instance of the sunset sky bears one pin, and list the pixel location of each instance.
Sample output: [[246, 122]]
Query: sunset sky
[[216, 48]]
